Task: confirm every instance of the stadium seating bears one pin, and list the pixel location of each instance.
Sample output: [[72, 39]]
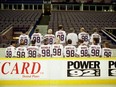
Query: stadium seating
[[77, 19], [17, 18], [22, 1], [86, 19]]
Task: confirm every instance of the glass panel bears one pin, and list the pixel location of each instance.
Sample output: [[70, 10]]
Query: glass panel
[[62, 7], [99, 8], [19, 6], [86, 8], [55, 7], [92, 8], [69, 7], [25, 6], [76, 7]]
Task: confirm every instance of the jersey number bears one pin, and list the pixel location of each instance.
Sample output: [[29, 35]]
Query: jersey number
[[25, 41], [32, 53], [61, 37], [95, 52], [70, 53], [46, 53], [85, 38], [56, 52], [37, 39], [84, 53], [9, 54], [107, 54], [20, 54]]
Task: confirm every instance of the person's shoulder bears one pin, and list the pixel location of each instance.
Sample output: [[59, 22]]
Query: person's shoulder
[[92, 45], [45, 35], [21, 35], [87, 33], [18, 48], [29, 46], [68, 34], [52, 35], [56, 31], [106, 48]]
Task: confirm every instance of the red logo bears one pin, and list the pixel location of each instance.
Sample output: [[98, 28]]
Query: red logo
[[25, 68]]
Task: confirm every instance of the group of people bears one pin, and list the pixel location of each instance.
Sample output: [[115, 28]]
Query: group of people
[[59, 44]]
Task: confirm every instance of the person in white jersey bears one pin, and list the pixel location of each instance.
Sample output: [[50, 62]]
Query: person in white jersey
[[106, 50], [69, 49], [24, 37], [21, 51], [50, 36], [10, 51], [45, 49], [95, 48], [82, 50], [61, 34], [73, 36], [57, 49], [83, 35], [95, 35], [33, 50], [37, 37]]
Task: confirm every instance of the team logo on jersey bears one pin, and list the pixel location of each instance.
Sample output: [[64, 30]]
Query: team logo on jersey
[[83, 68], [112, 68]]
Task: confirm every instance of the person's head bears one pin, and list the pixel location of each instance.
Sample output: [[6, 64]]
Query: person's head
[[69, 41], [95, 41], [80, 41], [37, 31], [60, 27], [57, 40], [106, 45], [82, 29], [45, 41], [33, 42], [22, 42], [23, 31], [94, 30], [49, 31], [72, 30], [13, 43]]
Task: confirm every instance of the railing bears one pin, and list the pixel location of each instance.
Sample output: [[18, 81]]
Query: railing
[[7, 28], [110, 35]]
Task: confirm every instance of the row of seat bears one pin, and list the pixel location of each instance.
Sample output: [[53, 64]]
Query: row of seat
[[18, 17], [88, 20]]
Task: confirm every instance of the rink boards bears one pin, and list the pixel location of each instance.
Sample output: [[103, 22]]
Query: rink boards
[[57, 71]]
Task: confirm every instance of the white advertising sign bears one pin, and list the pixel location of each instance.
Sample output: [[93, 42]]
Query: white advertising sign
[[57, 69]]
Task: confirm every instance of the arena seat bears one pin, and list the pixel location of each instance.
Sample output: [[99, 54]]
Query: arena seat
[[18, 17], [86, 19]]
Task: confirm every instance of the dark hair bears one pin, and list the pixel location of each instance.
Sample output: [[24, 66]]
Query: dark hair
[[33, 41], [71, 30], [37, 30], [60, 27], [45, 41], [94, 29], [22, 42], [106, 44], [96, 40], [69, 41], [24, 31], [12, 42], [80, 41]]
